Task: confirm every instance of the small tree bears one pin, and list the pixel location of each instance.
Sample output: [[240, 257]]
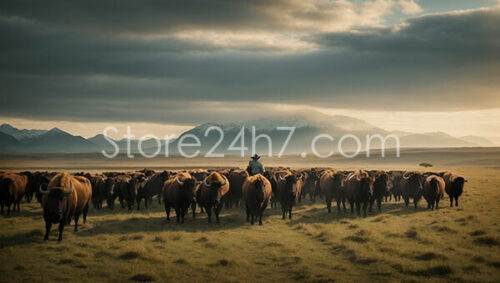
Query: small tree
[[425, 164]]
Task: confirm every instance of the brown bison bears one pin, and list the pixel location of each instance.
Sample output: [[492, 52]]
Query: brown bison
[[412, 187], [380, 188], [310, 178], [257, 193], [454, 186], [12, 190], [212, 194], [288, 191], [66, 196], [179, 193], [433, 190], [236, 178], [359, 190], [332, 186], [153, 187]]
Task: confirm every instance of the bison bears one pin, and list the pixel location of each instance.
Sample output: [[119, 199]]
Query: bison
[[236, 178], [274, 185], [359, 190], [12, 190], [152, 187], [411, 187], [454, 186], [212, 194], [332, 186], [310, 178], [179, 193], [287, 192], [257, 193], [396, 184], [380, 188], [433, 190], [64, 197]]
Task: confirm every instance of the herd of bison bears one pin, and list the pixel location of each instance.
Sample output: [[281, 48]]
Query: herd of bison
[[64, 197]]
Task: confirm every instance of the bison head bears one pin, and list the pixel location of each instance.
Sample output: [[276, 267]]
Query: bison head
[[188, 188], [366, 187], [214, 183], [290, 182], [414, 181], [56, 203], [338, 180]]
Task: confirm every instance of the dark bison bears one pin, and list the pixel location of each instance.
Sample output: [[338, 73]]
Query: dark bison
[[236, 178], [212, 193], [12, 190], [287, 191], [332, 186], [99, 190], [152, 187], [179, 193], [396, 184], [257, 193], [121, 190], [359, 190], [433, 190], [412, 187], [454, 186], [380, 188], [273, 179], [310, 178], [66, 196]]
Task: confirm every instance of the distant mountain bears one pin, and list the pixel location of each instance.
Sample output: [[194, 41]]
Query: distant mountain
[[478, 140], [20, 134], [56, 140], [307, 127], [9, 143]]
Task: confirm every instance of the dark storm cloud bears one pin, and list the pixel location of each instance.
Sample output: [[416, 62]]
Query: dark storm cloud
[[153, 16], [48, 71], [470, 34]]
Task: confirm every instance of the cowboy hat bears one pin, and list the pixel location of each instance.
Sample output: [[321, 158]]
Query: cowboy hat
[[255, 157]]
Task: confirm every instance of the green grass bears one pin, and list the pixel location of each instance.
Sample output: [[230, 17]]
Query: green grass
[[447, 244]]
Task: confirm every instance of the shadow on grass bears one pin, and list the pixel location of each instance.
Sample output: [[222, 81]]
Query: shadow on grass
[[33, 236], [159, 223], [316, 215]]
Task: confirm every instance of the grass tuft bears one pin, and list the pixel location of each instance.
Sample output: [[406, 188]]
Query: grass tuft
[[129, 255], [411, 233], [477, 233], [142, 278], [356, 239], [180, 261], [486, 241], [429, 256], [440, 270]]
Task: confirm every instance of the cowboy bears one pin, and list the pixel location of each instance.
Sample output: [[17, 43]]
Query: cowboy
[[254, 166]]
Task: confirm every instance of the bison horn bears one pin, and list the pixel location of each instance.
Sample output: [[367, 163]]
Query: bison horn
[[205, 183], [67, 192], [406, 177], [282, 179], [43, 192], [179, 181], [350, 176]]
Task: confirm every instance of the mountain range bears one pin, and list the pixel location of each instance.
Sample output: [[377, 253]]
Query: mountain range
[[13, 140]]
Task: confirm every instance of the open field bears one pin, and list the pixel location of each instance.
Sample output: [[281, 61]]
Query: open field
[[442, 158], [398, 244]]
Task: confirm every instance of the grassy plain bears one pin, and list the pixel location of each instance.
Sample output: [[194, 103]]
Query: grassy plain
[[398, 244]]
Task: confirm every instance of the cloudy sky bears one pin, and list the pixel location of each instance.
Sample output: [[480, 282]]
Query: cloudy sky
[[420, 66]]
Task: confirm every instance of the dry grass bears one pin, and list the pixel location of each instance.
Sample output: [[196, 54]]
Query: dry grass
[[399, 244]]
